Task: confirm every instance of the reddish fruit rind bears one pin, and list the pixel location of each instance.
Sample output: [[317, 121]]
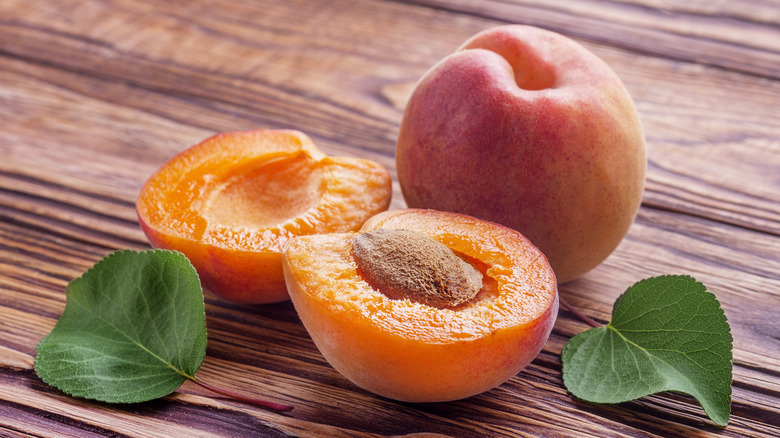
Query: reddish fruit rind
[[413, 352], [527, 128]]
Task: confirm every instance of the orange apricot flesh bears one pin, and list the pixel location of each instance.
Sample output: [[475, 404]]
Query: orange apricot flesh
[[413, 352], [231, 202]]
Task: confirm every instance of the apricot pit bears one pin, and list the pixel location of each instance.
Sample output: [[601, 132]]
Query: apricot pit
[[407, 264]]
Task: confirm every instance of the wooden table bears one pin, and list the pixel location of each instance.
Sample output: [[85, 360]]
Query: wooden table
[[96, 94]]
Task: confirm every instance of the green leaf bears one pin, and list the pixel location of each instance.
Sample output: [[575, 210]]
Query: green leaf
[[667, 334], [133, 329]]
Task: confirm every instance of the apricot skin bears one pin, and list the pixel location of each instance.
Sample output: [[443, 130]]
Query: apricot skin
[[527, 128], [413, 352], [231, 202]]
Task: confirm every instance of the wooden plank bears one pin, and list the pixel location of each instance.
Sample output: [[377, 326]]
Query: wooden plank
[[738, 36], [286, 365], [93, 102], [677, 101]]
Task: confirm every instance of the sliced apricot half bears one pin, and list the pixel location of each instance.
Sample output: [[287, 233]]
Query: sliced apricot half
[[410, 348], [231, 202]]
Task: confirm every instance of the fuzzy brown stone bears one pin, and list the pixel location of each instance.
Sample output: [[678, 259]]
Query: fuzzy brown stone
[[407, 264]]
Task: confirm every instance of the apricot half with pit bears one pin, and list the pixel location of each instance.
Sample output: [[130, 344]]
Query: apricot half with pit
[[231, 202], [365, 300]]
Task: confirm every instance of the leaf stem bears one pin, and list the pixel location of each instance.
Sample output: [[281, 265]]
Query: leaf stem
[[579, 314], [236, 396]]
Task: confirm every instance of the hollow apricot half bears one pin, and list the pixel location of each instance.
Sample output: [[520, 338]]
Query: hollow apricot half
[[413, 352], [231, 202]]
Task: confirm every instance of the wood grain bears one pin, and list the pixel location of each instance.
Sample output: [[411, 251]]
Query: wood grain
[[96, 94]]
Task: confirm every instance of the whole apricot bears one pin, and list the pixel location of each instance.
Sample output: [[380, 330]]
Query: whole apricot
[[402, 345], [527, 128], [231, 202]]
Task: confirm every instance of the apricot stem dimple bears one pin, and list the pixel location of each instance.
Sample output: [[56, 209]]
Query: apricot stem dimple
[[407, 264]]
